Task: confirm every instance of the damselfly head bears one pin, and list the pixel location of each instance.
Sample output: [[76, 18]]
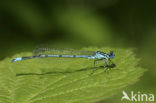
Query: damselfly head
[[111, 54]]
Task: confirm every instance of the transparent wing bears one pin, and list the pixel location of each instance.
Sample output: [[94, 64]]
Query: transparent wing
[[58, 51]]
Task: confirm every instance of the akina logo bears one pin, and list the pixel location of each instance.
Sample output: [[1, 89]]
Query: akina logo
[[137, 96]]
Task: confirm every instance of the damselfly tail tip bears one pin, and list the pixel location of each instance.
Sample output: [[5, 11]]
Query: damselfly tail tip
[[16, 59]]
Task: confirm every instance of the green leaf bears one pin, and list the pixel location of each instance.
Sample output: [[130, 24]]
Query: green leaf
[[59, 80]]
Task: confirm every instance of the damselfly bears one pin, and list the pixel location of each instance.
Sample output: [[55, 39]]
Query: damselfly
[[70, 53]]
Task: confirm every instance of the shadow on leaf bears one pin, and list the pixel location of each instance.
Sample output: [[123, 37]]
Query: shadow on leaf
[[66, 72]]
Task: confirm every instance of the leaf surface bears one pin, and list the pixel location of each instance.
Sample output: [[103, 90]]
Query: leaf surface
[[64, 80]]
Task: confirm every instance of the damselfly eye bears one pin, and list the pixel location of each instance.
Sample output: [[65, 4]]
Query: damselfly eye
[[111, 53]]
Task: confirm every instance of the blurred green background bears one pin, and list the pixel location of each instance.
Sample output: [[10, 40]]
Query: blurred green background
[[80, 23]]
